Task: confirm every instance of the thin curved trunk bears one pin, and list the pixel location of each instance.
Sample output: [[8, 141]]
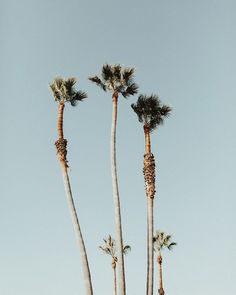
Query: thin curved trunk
[[149, 177], [61, 151], [150, 246], [114, 276], [159, 261], [118, 225]]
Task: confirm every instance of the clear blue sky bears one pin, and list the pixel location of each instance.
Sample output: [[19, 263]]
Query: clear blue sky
[[182, 50]]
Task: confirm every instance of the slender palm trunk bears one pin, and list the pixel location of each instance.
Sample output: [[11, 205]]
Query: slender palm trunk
[[118, 225], [61, 150], [149, 176], [114, 276], [159, 261]]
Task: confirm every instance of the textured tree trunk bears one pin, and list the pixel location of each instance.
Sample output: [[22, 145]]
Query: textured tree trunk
[[114, 276], [60, 121], [118, 225], [149, 177], [159, 261], [61, 151]]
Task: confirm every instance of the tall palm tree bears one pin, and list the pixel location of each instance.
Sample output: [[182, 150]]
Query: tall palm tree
[[151, 114], [110, 249], [118, 81], [161, 240], [63, 91]]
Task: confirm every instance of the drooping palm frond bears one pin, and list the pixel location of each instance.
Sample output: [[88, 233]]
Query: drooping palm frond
[[98, 81], [150, 110], [116, 79], [109, 247], [130, 90], [171, 245], [79, 96], [64, 91], [162, 240], [126, 249]]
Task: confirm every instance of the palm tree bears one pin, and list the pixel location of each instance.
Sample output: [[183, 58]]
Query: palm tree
[[63, 91], [161, 240], [151, 114], [118, 81], [110, 249]]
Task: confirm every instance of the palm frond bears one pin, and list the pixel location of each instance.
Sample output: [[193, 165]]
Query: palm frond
[[162, 240], [98, 81], [117, 72], [126, 249], [171, 245], [78, 96], [150, 110], [165, 110], [130, 90], [107, 72], [127, 75]]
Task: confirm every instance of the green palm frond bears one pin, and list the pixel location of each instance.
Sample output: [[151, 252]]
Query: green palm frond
[[79, 96], [117, 79], [98, 81], [64, 91], [150, 110], [117, 72], [126, 249], [109, 247], [128, 75], [162, 240], [107, 72], [171, 245], [130, 90]]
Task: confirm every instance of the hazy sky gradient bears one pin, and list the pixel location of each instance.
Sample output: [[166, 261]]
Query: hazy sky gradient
[[182, 50]]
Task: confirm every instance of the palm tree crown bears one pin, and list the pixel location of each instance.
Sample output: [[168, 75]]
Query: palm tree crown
[[110, 247], [150, 111], [116, 79], [162, 240], [64, 91]]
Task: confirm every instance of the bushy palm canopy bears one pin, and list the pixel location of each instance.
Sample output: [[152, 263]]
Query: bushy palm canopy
[[109, 247], [162, 240], [64, 91], [150, 110], [116, 79]]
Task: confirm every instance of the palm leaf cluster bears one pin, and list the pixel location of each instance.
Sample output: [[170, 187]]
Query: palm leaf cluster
[[64, 91], [109, 247], [162, 240], [117, 79], [150, 111]]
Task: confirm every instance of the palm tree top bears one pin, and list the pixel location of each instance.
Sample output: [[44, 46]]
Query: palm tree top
[[116, 79], [150, 110], [64, 91], [162, 240], [109, 247]]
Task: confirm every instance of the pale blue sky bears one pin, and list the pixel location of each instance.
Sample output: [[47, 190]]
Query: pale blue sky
[[182, 50]]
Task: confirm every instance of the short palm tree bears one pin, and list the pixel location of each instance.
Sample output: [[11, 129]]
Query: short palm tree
[[63, 91], [161, 240], [109, 248], [117, 80], [151, 114]]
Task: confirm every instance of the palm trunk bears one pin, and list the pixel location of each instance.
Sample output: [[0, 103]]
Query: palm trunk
[[118, 226], [159, 261], [149, 176], [60, 121], [61, 151], [114, 276]]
